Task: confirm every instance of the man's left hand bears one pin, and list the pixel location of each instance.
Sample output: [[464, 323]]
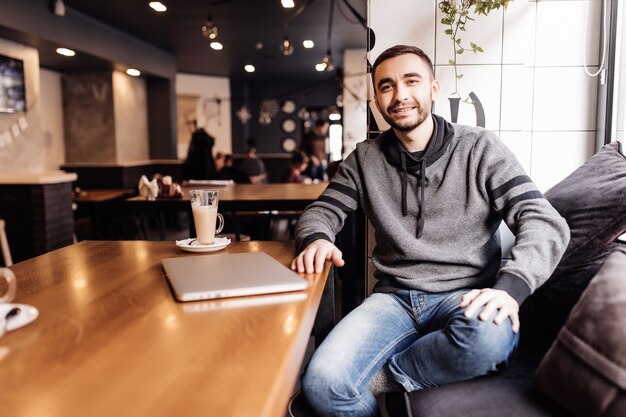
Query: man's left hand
[[492, 300]]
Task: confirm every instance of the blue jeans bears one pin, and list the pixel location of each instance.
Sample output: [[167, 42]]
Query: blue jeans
[[422, 338]]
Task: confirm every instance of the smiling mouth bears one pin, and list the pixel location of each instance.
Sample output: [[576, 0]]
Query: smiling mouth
[[402, 110]]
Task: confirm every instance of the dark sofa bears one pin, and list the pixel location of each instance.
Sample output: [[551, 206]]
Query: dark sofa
[[564, 367]]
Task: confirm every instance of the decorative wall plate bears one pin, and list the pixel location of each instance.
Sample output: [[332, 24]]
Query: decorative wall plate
[[289, 125], [288, 106], [289, 144]]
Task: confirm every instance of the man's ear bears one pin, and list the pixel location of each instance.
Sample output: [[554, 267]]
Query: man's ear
[[376, 101], [435, 89]]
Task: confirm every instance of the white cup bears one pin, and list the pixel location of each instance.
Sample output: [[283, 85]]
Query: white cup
[[9, 277], [205, 215]]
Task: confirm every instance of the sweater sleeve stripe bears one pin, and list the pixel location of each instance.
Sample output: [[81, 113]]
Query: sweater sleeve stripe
[[310, 239], [335, 203], [345, 190], [530, 195], [514, 182]]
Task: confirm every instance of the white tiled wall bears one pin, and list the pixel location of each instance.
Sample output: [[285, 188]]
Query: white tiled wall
[[560, 33], [548, 163], [481, 79], [530, 80], [564, 99]]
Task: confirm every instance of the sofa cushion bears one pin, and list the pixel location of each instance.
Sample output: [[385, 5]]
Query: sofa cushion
[[490, 396], [593, 200], [585, 369]]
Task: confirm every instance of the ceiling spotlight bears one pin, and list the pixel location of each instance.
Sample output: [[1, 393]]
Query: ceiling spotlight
[[287, 4], [320, 67], [209, 30], [65, 52], [334, 116], [157, 6], [59, 8], [308, 44], [258, 46], [249, 68], [286, 48], [133, 72], [217, 46]]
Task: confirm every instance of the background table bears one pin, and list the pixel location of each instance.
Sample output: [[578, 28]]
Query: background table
[[111, 340]]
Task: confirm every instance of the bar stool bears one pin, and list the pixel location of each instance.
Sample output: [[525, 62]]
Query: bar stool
[[4, 243]]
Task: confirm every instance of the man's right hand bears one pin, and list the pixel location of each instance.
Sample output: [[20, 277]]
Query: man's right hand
[[312, 258]]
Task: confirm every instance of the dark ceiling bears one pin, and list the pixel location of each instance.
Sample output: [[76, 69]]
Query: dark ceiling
[[242, 25]]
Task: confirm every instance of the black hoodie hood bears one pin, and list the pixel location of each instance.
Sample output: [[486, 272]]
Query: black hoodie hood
[[398, 157]]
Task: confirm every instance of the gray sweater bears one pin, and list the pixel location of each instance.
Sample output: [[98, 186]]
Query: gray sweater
[[436, 218]]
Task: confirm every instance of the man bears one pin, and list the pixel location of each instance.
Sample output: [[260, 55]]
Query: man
[[314, 145], [443, 309], [200, 164], [253, 166]]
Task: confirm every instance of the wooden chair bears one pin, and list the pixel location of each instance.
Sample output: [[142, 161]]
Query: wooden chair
[[4, 244]]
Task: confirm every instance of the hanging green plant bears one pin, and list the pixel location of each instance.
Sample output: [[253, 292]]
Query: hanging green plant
[[456, 15]]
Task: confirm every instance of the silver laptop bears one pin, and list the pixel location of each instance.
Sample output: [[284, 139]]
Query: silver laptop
[[229, 275]]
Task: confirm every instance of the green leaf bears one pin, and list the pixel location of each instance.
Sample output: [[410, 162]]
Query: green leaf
[[448, 32], [479, 49], [460, 51], [473, 45], [451, 62], [458, 41], [458, 77]]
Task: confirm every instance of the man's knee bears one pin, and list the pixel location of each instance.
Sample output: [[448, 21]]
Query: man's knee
[[322, 380], [483, 340]]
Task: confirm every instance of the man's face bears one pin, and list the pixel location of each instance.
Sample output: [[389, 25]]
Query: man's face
[[405, 89]]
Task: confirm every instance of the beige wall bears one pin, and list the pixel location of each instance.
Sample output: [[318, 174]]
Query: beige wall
[[22, 142], [52, 120], [213, 117], [354, 98], [131, 117]]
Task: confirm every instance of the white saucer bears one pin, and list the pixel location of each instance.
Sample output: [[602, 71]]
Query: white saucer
[[190, 245], [26, 315]]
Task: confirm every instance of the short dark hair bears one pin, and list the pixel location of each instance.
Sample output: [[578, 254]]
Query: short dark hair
[[398, 50], [298, 158]]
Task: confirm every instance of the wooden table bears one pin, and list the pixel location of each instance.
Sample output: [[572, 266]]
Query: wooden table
[[111, 340], [101, 206], [266, 197], [242, 197]]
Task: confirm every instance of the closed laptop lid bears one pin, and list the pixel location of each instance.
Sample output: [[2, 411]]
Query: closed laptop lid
[[229, 275]]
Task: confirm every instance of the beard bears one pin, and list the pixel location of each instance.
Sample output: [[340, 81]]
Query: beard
[[407, 124]]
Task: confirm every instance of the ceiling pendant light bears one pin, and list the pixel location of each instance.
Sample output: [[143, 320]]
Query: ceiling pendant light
[[209, 29], [327, 61], [286, 48], [329, 65], [287, 4]]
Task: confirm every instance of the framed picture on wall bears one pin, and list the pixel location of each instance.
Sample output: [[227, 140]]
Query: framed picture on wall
[[12, 85]]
